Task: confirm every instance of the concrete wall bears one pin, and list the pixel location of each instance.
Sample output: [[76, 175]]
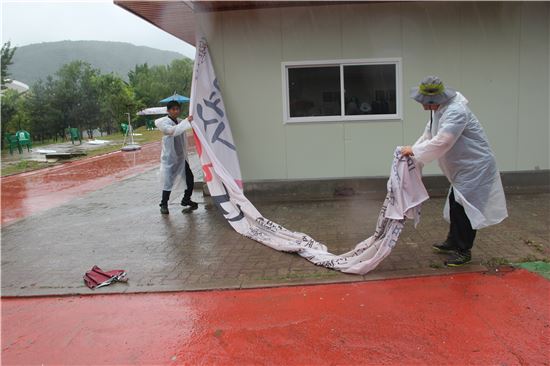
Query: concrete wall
[[497, 54]]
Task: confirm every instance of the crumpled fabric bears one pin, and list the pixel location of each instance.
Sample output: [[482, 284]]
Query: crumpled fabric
[[405, 189], [96, 277], [174, 153], [403, 199], [458, 141]]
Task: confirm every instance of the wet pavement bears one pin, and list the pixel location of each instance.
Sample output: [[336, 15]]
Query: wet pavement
[[465, 319], [37, 153], [36, 191], [119, 227]]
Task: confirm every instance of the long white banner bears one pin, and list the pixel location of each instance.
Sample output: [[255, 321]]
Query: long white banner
[[220, 163]]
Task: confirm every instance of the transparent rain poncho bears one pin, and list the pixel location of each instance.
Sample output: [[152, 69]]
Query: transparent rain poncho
[[457, 139], [174, 154]]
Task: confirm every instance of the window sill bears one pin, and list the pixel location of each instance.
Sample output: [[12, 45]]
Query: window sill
[[355, 118]]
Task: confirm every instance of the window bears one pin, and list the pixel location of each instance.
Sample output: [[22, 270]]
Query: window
[[342, 90], [314, 91]]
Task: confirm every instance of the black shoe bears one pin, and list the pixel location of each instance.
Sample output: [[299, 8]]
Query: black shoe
[[458, 259], [187, 202], [164, 209], [444, 247]]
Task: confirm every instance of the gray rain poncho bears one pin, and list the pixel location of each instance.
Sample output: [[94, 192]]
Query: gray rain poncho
[[457, 139], [174, 154]]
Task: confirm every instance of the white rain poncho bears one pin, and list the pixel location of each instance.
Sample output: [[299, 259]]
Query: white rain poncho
[[457, 139], [174, 154]]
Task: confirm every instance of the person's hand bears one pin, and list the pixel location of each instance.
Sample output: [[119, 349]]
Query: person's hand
[[407, 151], [190, 118]]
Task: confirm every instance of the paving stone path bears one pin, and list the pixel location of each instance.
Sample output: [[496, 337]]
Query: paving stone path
[[119, 227]]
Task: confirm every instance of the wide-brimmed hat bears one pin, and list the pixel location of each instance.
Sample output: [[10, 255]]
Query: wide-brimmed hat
[[432, 91]]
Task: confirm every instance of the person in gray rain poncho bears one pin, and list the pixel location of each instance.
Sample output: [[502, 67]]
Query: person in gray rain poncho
[[455, 137], [174, 166]]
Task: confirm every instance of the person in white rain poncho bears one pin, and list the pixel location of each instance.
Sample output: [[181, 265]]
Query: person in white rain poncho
[[455, 137], [174, 166]]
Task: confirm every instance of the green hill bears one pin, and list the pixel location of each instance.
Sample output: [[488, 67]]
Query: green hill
[[37, 61]]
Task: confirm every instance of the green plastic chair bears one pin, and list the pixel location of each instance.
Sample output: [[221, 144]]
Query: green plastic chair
[[12, 141], [75, 135], [24, 138], [150, 125], [124, 128]]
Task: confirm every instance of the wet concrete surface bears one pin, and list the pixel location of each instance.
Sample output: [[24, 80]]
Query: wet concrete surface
[[465, 319], [36, 191], [120, 227], [36, 153]]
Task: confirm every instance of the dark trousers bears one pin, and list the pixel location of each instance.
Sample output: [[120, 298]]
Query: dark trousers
[[461, 234], [190, 182]]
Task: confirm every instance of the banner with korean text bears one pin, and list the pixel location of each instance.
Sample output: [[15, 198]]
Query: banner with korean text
[[222, 174]]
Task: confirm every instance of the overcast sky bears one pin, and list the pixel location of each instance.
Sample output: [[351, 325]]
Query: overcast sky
[[25, 22]]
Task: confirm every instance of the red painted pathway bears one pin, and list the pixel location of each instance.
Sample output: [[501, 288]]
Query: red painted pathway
[[32, 192], [463, 319]]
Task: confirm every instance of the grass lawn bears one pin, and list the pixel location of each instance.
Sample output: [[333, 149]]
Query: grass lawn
[[24, 166], [146, 136], [117, 139]]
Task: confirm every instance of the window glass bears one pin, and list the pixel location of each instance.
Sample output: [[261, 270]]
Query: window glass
[[370, 89], [314, 91]]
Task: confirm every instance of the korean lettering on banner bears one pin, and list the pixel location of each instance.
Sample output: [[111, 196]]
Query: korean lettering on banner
[[210, 114], [212, 104], [217, 189]]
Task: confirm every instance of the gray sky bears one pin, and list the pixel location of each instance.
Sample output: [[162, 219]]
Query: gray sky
[[26, 22]]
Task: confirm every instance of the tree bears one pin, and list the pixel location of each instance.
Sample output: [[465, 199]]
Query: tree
[[88, 107], [14, 113], [151, 84], [6, 60], [115, 99], [76, 96], [44, 119], [180, 74], [80, 96], [9, 103], [141, 80]]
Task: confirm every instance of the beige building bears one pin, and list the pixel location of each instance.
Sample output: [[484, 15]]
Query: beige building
[[321, 90]]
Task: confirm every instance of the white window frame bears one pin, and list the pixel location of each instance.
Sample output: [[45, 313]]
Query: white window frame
[[397, 61]]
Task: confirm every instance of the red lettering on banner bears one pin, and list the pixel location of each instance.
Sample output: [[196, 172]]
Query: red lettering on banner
[[197, 144], [207, 172]]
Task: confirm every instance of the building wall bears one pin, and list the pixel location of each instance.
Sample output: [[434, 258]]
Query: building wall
[[496, 54]]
